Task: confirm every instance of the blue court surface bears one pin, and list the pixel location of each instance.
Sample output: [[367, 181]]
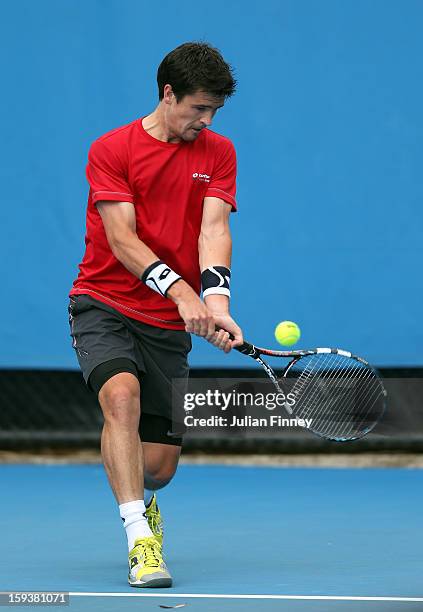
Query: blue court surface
[[236, 538]]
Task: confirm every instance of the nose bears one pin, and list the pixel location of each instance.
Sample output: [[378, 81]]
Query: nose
[[207, 119]]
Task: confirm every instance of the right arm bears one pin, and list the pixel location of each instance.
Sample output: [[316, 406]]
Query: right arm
[[119, 222]]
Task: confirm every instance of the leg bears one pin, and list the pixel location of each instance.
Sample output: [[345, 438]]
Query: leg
[[111, 367], [121, 449], [161, 455], [160, 463]]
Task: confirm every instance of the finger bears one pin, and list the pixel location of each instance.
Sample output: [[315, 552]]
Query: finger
[[222, 339], [211, 332], [219, 336], [212, 339], [238, 338], [204, 326], [196, 327], [216, 339], [235, 338], [228, 346]]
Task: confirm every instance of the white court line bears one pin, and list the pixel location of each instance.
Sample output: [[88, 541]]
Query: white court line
[[230, 596]]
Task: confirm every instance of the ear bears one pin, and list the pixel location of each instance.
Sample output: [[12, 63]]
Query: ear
[[168, 94]]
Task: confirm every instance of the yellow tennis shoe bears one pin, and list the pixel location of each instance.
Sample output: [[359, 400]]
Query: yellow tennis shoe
[[146, 565], [155, 521]]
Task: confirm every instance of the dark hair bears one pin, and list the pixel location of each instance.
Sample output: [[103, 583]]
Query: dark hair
[[196, 66]]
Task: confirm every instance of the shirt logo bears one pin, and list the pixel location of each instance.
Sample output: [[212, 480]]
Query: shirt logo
[[204, 178]]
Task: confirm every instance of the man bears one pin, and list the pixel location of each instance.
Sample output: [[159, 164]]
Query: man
[[161, 191]]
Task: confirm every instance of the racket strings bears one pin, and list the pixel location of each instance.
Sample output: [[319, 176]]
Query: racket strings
[[303, 380], [367, 392], [322, 378], [326, 376], [316, 401], [309, 390], [375, 409], [335, 416], [345, 375], [353, 414], [356, 416], [306, 389]]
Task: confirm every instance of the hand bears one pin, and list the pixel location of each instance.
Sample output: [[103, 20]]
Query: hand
[[227, 326], [197, 317]]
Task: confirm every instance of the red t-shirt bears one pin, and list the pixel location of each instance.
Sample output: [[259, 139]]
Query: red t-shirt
[[167, 183]]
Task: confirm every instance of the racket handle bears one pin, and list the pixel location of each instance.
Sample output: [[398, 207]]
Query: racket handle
[[246, 348]]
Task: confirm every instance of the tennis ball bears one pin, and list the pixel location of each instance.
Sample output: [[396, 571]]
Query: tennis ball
[[287, 333]]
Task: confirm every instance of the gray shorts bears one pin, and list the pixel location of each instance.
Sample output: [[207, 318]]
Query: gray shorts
[[100, 333]]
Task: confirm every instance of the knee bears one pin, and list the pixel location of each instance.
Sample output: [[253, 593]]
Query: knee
[[159, 478], [120, 402]]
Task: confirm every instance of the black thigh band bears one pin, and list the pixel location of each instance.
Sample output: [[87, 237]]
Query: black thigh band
[[106, 370]]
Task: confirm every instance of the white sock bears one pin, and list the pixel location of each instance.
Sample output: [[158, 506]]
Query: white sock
[[148, 496], [135, 522]]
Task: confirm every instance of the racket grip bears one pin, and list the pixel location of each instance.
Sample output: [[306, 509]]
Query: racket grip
[[246, 348]]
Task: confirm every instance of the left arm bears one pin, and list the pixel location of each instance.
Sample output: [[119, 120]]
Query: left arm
[[215, 249]]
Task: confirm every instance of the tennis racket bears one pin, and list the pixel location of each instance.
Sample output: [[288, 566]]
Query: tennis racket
[[338, 394]]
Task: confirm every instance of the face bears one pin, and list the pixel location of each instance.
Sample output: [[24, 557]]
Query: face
[[186, 119]]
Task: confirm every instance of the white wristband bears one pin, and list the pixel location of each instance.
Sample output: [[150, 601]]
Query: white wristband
[[159, 277]]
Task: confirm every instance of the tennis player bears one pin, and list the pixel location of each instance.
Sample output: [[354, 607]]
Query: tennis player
[[157, 232]]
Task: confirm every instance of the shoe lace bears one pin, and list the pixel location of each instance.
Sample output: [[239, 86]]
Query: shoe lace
[[150, 552], [155, 521]]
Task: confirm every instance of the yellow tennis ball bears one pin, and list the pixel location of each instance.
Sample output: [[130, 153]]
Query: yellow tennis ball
[[287, 333]]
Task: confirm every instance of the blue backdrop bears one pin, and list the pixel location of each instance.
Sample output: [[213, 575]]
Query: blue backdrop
[[327, 123]]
